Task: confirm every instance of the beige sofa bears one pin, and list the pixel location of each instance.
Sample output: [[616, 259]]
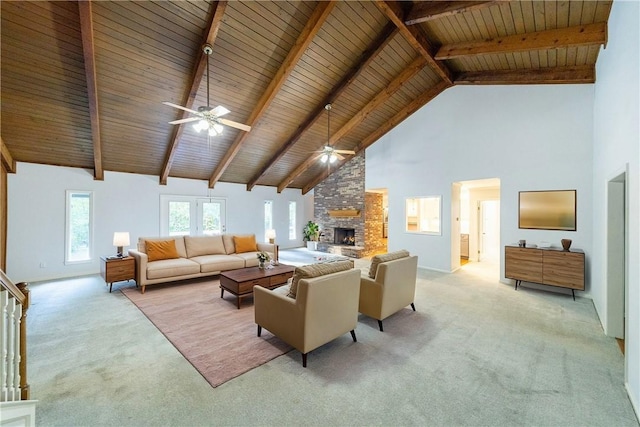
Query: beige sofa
[[390, 285], [324, 306], [196, 256]]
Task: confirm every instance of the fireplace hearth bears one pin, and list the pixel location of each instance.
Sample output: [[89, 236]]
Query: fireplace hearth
[[344, 236]]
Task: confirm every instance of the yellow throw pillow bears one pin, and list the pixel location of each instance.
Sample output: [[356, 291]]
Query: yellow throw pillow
[[161, 249], [245, 244]]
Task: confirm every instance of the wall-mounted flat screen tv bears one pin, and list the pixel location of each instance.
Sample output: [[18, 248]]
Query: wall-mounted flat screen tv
[[547, 210]]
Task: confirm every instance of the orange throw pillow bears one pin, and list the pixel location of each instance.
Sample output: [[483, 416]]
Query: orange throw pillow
[[161, 249], [245, 244]]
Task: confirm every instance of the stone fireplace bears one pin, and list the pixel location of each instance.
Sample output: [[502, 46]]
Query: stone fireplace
[[351, 219]]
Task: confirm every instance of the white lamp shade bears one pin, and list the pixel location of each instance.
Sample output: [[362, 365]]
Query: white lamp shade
[[121, 238], [271, 234]]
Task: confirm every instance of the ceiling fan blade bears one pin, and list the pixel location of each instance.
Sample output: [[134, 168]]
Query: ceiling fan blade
[[236, 125], [340, 156], [187, 120], [344, 151], [219, 111], [180, 107]]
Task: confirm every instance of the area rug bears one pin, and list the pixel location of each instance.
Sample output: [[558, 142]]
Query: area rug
[[219, 340]]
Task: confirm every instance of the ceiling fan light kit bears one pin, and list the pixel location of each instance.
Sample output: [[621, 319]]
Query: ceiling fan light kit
[[328, 153], [207, 118]]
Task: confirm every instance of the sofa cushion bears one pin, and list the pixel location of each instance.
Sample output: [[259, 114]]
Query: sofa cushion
[[390, 256], [182, 253], [245, 243], [161, 249], [316, 270], [229, 247], [213, 263], [203, 245], [170, 268], [250, 258]]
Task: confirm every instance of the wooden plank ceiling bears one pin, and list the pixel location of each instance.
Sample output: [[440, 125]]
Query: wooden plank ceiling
[[82, 83]]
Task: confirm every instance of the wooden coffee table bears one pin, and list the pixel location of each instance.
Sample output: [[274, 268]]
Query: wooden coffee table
[[241, 282]]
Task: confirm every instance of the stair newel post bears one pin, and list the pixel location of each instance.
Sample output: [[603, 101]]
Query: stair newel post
[[24, 386]]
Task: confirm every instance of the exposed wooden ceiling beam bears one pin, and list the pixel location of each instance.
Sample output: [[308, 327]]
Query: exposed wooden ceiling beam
[[408, 110], [415, 36], [6, 158], [560, 75], [366, 58], [315, 22], [201, 65], [88, 51], [580, 35], [429, 10], [386, 93]]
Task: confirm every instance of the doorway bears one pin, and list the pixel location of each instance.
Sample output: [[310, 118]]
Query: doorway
[[617, 253], [479, 225]]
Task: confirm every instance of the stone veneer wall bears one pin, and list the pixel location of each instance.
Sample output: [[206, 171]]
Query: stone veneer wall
[[343, 189]]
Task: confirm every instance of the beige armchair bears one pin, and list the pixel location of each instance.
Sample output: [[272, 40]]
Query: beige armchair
[[392, 287], [324, 308]]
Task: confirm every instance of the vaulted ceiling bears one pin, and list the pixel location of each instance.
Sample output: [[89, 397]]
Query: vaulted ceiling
[[83, 83]]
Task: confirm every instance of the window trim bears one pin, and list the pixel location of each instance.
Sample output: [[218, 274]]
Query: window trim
[[418, 214]]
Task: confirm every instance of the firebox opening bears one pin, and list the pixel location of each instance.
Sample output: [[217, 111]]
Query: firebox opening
[[344, 236]]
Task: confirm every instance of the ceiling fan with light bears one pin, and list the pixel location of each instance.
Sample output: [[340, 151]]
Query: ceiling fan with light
[[207, 118], [328, 154]]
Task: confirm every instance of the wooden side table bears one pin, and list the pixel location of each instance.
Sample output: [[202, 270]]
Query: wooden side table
[[117, 269]]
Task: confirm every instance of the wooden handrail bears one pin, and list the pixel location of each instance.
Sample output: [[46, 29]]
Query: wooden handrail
[[22, 294]]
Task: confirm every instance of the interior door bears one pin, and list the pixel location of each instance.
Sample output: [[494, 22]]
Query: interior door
[[210, 217], [490, 230]]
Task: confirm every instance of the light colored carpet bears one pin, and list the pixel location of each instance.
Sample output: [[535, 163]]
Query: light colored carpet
[[475, 353], [218, 339]]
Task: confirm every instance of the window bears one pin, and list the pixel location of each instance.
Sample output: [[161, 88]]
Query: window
[[79, 226], [189, 215], [268, 218], [292, 220], [423, 215], [179, 218]]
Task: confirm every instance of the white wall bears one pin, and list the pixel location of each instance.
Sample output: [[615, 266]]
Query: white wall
[[122, 202], [530, 137], [616, 150]]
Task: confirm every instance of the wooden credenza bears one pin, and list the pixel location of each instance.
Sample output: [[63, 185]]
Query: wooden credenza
[[554, 267]]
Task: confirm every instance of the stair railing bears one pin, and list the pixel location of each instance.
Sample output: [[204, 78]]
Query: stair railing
[[14, 303]]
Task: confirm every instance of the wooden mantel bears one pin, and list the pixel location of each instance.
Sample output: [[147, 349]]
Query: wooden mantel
[[343, 213]]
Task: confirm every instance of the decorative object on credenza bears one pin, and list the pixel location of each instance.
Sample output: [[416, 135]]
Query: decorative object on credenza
[[547, 210], [522, 243], [120, 239], [263, 258], [566, 244]]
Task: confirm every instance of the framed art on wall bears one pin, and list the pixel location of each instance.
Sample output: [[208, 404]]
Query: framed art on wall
[[547, 210]]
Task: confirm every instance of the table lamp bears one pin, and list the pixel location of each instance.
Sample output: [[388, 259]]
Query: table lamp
[[120, 239], [271, 235]]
